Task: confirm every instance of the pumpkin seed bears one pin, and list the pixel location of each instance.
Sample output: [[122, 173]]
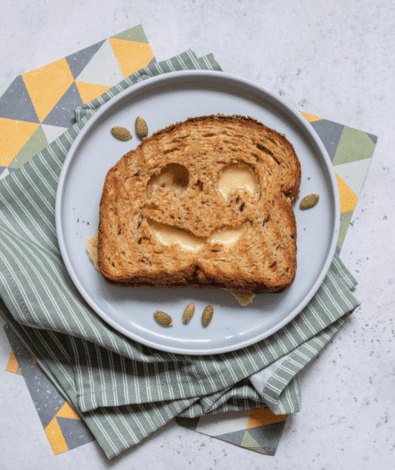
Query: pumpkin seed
[[141, 127], [188, 313], [207, 315], [163, 318], [121, 133], [309, 201]]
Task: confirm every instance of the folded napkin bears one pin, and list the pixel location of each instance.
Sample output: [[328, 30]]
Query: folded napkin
[[123, 390]]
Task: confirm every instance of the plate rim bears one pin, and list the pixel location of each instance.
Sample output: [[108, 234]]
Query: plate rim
[[157, 81]]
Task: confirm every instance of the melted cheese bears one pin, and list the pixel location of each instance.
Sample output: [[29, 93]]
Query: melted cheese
[[226, 237], [175, 236], [172, 235], [236, 177]]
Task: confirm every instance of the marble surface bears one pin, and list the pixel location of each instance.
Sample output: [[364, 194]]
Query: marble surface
[[334, 59]]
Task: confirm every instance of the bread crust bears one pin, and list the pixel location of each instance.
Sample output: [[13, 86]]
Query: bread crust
[[264, 257]]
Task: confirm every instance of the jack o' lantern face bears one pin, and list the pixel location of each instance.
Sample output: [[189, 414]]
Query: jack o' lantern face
[[218, 207]]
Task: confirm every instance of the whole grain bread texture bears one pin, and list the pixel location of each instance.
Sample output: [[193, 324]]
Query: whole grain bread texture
[[171, 181]]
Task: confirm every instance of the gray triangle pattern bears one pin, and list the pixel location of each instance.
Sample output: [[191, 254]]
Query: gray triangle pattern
[[268, 436], [62, 114], [37, 383], [15, 103], [372, 137], [330, 133], [232, 437], [189, 423], [75, 432], [79, 60]]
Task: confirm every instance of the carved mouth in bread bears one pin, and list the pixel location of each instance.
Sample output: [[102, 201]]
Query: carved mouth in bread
[[225, 237]]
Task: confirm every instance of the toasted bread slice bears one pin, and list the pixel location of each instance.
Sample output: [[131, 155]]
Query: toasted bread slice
[[204, 203]]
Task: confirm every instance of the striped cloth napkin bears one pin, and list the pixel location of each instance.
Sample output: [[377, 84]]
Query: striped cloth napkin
[[124, 390]]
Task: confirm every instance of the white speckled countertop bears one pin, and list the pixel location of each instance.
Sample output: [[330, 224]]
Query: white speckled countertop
[[333, 59]]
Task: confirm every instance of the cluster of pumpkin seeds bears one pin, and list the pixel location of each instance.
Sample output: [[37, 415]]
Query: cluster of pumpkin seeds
[[141, 128], [166, 320]]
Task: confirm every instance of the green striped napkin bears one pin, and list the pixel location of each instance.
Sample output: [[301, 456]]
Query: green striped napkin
[[123, 390]]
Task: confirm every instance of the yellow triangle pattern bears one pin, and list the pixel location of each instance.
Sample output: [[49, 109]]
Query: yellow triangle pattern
[[12, 364], [125, 51], [67, 412], [13, 136], [89, 91], [47, 84], [348, 199], [55, 437], [310, 117], [262, 417]]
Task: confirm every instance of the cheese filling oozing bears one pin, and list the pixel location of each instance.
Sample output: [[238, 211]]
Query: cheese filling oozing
[[168, 235]]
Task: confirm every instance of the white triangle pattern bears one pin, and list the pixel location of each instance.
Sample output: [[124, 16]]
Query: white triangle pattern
[[354, 173], [52, 132], [4, 86], [223, 423], [5, 173], [103, 68]]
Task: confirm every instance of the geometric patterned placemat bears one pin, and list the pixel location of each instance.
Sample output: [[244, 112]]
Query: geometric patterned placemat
[[256, 429], [62, 425], [38, 106], [35, 109], [351, 152]]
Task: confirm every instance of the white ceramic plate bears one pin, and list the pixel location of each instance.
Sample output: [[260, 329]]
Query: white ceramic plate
[[162, 101]]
